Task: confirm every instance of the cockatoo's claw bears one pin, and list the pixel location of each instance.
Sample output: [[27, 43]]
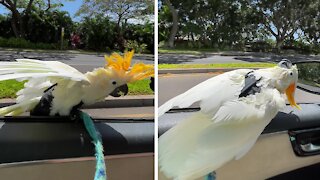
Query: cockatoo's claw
[[75, 115], [120, 91]]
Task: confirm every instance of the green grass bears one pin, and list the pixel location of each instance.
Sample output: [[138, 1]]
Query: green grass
[[223, 65], [140, 88], [9, 88]]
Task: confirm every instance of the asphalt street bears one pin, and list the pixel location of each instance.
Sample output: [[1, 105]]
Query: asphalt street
[[82, 62], [171, 85], [232, 57]]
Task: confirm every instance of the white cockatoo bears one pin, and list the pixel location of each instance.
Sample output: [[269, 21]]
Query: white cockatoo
[[54, 88], [235, 107]]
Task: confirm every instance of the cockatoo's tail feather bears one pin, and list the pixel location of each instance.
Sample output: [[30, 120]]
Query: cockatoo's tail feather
[[20, 108]]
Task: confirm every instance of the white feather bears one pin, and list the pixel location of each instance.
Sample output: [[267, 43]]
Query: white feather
[[210, 92], [19, 108], [224, 129], [40, 75], [28, 68]]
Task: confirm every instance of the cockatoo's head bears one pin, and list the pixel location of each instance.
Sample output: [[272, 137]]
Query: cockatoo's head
[[286, 76], [120, 73]]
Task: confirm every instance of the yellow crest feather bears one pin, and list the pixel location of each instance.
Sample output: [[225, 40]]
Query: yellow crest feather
[[122, 64], [118, 62]]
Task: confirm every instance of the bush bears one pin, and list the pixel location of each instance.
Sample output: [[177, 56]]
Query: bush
[[261, 46], [138, 48], [22, 43], [5, 27], [143, 34], [97, 33], [41, 27]]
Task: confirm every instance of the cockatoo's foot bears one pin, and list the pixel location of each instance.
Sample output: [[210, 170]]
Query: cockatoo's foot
[[211, 176], [75, 115]]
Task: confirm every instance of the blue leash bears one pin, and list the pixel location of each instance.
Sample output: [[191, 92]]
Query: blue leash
[[211, 176], [100, 173]]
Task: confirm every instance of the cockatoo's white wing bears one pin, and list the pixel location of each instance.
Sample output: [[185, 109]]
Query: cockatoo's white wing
[[40, 75], [27, 68], [211, 93], [226, 127], [205, 142]]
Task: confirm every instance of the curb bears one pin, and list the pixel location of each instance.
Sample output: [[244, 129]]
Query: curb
[[110, 102], [197, 70]]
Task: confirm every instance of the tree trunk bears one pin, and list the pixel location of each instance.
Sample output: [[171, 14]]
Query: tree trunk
[[16, 24], [22, 27], [14, 28], [174, 28], [119, 30], [279, 44], [18, 20]]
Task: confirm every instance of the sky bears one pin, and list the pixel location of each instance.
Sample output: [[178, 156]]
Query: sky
[[69, 6]]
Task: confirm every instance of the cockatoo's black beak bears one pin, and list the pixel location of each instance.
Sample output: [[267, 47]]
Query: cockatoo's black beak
[[290, 95], [120, 91]]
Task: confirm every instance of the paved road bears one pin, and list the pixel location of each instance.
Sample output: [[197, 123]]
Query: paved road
[[173, 84], [82, 62], [231, 57]]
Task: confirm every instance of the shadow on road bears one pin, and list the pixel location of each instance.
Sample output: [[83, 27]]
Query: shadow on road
[[143, 57], [269, 57], [11, 56], [178, 58]]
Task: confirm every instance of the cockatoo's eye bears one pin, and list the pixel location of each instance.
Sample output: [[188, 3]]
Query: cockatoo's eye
[[114, 82], [290, 73]]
